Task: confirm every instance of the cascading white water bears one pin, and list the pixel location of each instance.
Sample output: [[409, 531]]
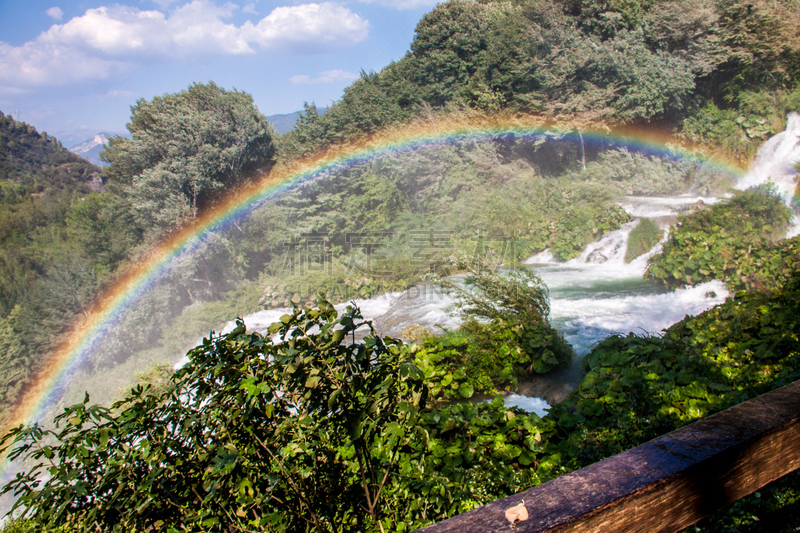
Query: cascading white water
[[663, 207], [596, 294], [775, 162], [591, 297], [611, 248]]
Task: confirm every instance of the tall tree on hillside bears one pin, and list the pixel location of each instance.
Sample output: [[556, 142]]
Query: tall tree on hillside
[[185, 147]]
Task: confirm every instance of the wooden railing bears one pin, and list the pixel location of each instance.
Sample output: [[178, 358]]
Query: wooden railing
[[663, 485]]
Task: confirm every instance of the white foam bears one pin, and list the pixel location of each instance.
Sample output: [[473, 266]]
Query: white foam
[[541, 258], [775, 162], [588, 320], [662, 206], [610, 249]]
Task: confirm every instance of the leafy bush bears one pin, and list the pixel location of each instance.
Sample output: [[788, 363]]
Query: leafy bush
[[642, 239], [741, 127], [732, 241], [277, 435], [506, 333], [308, 433], [637, 388], [240, 433]]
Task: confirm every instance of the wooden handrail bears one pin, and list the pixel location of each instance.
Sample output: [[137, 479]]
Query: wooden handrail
[[663, 485]]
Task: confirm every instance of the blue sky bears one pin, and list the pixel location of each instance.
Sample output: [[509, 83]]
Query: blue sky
[[70, 65]]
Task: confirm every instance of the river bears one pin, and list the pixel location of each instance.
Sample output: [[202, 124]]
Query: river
[[597, 294]]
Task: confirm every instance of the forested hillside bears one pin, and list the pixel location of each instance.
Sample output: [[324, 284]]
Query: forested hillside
[[67, 233], [44, 283], [722, 73], [715, 74]]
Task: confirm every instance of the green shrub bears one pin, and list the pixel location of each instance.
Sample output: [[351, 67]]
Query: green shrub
[[732, 241], [313, 432], [506, 334], [452, 459]]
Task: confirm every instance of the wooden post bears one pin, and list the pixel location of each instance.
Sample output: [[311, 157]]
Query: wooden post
[[663, 485]]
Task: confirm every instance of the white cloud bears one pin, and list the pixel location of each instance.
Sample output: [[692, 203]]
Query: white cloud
[[120, 94], [250, 8], [55, 13], [329, 76], [38, 63], [122, 30], [402, 5], [108, 39], [308, 28]]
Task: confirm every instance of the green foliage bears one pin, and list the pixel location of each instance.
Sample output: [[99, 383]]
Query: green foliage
[[309, 433], [32, 164], [15, 357], [103, 229], [764, 44], [726, 71], [635, 173], [517, 296], [636, 82], [637, 388], [731, 241], [64, 243], [506, 333], [45, 278], [621, 61], [184, 147], [643, 237], [451, 369], [249, 419], [739, 129], [298, 435], [29, 526], [470, 455], [40, 180]]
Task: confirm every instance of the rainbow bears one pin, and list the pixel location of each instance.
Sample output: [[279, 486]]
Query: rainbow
[[132, 286]]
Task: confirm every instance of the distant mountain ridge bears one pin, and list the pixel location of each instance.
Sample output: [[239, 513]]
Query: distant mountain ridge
[[286, 123], [90, 149]]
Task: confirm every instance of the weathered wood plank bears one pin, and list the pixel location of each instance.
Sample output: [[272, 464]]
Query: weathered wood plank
[[663, 485]]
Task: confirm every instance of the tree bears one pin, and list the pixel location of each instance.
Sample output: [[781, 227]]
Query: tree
[[624, 77], [446, 48], [185, 147], [103, 229], [763, 41]]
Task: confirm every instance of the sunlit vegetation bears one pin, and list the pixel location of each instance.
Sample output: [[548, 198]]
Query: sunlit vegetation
[[45, 279], [728, 71], [312, 432], [386, 452], [733, 241], [506, 333]]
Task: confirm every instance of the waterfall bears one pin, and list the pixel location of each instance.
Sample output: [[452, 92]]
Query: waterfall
[[775, 162], [597, 293], [611, 248]]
